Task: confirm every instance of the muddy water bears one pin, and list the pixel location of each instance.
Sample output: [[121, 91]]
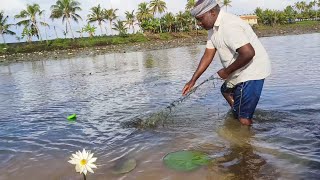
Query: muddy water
[[36, 140]]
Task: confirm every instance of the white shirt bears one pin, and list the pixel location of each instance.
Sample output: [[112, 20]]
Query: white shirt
[[230, 33]]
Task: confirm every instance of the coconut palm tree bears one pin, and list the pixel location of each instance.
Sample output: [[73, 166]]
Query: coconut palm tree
[[318, 4], [259, 12], [271, 17], [144, 12], [190, 4], [4, 27], [227, 3], [290, 13], [131, 19], [158, 6], [66, 9], [29, 16], [298, 6], [313, 4], [89, 29], [28, 31], [303, 6], [97, 15], [169, 20], [110, 14], [180, 20], [120, 27], [188, 20]]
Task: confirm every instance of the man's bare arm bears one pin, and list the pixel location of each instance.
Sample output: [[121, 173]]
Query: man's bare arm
[[246, 54], [203, 65]]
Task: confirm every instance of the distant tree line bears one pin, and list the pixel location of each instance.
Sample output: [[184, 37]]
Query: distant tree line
[[298, 12], [150, 17]]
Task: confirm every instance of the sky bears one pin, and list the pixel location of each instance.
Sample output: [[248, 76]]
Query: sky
[[13, 7]]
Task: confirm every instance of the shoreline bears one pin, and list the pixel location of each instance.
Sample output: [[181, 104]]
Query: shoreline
[[152, 44]]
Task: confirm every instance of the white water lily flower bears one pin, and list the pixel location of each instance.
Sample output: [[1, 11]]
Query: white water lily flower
[[84, 161]]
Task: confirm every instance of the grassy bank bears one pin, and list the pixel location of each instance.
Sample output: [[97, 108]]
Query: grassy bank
[[134, 39], [295, 28], [63, 44]]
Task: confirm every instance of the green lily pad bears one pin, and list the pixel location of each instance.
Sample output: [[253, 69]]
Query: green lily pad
[[124, 166], [185, 160], [72, 117]]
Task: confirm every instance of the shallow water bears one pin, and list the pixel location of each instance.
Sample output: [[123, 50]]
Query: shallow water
[[36, 140]]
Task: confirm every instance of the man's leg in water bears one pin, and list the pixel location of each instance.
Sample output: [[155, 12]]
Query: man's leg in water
[[243, 99], [229, 98], [246, 97], [227, 94]]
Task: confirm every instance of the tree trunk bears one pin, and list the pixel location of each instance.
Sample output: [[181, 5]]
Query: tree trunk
[[55, 32], [133, 29], [106, 30], [38, 31], [100, 28], [29, 39], [111, 27], [4, 41], [45, 31], [70, 28], [160, 26]]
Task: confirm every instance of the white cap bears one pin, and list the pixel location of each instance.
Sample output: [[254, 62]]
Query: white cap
[[204, 7]]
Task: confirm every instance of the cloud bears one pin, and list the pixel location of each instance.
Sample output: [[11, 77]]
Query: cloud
[[11, 6]]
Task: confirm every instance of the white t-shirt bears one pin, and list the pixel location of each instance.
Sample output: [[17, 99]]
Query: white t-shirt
[[229, 33]]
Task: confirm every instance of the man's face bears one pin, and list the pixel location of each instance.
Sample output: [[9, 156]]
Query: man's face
[[206, 20]]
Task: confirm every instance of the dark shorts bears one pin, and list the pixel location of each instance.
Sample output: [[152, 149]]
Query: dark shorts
[[246, 96]]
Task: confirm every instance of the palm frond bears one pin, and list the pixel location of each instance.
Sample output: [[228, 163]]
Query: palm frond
[[75, 18], [9, 32], [22, 14], [24, 22], [44, 24]]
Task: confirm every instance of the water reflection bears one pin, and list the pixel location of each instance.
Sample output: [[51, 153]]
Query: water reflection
[[150, 62], [241, 161]]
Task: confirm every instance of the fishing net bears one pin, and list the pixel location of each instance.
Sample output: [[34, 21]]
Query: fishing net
[[154, 119]]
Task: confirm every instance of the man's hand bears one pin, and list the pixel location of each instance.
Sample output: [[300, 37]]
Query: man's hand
[[188, 87], [223, 73]]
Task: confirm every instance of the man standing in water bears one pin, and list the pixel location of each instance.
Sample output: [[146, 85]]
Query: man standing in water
[[245, 61]]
